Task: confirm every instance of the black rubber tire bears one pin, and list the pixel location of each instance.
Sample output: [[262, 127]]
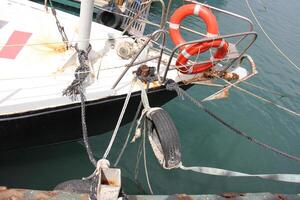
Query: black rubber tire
[[163, 132], [110, 19]]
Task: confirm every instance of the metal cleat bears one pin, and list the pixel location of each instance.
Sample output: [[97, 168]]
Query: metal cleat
[[109, 184]]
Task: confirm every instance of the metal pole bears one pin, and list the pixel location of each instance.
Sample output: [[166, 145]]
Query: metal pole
[[85, 23]]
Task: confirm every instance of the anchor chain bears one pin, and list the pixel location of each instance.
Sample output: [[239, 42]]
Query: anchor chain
[[60, 28]]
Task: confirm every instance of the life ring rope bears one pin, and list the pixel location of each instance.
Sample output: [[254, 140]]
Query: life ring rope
[[174, 26], [190, 50], [196, 49]]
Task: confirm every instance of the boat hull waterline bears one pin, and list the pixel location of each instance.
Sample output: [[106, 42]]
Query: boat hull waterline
[[62, 124]]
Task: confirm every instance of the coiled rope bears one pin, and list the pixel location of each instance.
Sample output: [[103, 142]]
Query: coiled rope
[[270, 39]]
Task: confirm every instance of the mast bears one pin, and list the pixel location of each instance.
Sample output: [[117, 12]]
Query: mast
[[85, 23]]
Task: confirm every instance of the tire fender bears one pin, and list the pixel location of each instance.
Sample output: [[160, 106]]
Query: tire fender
[[163, 137]]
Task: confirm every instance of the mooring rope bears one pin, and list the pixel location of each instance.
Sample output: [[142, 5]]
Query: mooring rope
[[97, 172], [261, 98], [137, 163], [171, 85], [290, 178], [119, 120], [77, 88], [145, 158], [128, 135], [142, 130], [85, 131], [270, 39], [267, 90]]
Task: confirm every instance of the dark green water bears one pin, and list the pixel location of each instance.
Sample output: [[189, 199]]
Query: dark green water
[[204, 141]]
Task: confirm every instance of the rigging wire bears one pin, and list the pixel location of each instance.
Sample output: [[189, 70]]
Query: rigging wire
[[270, 39], [267, 90], [171, 85], [70, 41], [261, 98]]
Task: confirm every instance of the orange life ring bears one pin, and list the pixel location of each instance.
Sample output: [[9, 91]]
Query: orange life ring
[[183, 57], [192, 9]]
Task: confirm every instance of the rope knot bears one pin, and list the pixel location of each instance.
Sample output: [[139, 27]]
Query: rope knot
[[103, 164], [81, 74], [171, 85]]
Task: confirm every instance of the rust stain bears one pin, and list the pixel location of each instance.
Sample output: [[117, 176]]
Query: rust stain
[[41, 195], [184, 197], [155, 84], [230, 195], [281, 197], [52, 193], [84, 197], [109, 182], [11, 194], [133, 197], [3, 188], [58, 48], [13, 197], [48, 47]]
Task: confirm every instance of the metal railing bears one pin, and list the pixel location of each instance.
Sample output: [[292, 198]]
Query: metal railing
[[163, 33], [132, 62], [233, 59]]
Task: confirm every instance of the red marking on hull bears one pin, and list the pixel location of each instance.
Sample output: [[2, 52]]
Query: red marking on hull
[[15, 44]]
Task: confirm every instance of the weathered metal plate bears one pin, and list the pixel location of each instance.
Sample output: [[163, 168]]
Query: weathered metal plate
[[19, 194], [236, 196], [110, 184]]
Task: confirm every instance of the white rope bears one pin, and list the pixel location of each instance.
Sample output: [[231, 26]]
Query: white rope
[[266, 89], [273, 43], [145, 102], [119, 121], [128, 135], [70, 41], [145, 159], [291, 178], [56, 75], [10, 95], [144, 96], [263, 99], [137, 164]]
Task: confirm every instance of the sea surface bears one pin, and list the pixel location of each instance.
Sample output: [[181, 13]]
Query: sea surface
[[204, 141]]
